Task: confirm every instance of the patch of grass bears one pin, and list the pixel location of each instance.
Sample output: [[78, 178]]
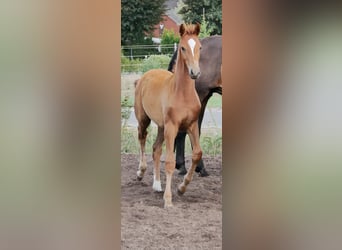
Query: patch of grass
[[211, 141], [215, 101], [126, 106], [211, 145], [128, 65], [129, 140]]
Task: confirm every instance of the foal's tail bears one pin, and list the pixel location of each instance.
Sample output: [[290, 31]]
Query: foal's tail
[[136, 82]]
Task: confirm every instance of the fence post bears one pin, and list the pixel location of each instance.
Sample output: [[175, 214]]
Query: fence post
[[131, 53], [175, 47]]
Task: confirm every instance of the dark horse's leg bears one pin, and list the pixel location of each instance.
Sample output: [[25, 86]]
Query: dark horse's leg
[[180, 158], [180, 146], [200, 166]]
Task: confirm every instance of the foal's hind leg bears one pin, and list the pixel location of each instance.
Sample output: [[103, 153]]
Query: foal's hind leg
[[157, 151], [193, 133], [142, 133]]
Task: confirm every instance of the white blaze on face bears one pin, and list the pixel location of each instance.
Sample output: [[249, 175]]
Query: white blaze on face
[[192, 44]]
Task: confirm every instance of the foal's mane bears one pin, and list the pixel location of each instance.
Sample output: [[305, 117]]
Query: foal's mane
[[189, 29]]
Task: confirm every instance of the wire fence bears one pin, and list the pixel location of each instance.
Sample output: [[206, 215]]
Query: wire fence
[[143, 51], [135, 57]]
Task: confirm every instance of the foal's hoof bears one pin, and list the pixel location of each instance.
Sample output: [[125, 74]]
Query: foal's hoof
[[157, 186], [139, 176], [168, 205], [181, 190]]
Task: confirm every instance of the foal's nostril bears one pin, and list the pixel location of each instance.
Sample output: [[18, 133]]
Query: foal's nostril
[[194, 74]]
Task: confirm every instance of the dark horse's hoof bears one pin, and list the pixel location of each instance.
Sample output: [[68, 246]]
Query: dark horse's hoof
[[181, 168], [182, 171], [202, 172], [201, 169]]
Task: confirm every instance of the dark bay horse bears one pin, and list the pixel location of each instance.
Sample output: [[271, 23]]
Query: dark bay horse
[[208, 83], [171, 101]]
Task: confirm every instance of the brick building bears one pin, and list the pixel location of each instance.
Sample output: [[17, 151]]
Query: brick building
[[171, 20]]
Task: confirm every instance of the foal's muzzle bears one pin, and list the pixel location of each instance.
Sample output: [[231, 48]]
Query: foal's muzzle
[[194, 74]]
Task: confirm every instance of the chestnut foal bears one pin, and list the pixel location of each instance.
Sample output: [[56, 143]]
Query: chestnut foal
[[171, 101]]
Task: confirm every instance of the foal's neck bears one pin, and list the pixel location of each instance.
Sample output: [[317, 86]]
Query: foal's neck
[[183, 82]]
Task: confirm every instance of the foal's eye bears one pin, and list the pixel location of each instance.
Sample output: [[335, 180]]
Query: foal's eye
[[183, 49]]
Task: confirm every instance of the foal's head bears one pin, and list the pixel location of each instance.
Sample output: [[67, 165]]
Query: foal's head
[[189, 48]]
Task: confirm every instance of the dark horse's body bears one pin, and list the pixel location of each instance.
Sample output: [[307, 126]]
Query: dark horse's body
[[208, 83]]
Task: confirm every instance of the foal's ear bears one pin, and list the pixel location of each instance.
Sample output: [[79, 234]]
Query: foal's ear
[[197, 28], [181, 29]]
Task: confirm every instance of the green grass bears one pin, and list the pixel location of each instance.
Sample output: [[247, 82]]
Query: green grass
[[211, 141], [215, 101]]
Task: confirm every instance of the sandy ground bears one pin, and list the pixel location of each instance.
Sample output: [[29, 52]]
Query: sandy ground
[[195, 220]]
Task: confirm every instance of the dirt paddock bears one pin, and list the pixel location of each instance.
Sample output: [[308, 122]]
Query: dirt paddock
[[195, 220]]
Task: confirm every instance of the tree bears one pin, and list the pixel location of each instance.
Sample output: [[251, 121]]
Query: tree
[[169, 37], [138, 18], [192, 11], [205, 31]]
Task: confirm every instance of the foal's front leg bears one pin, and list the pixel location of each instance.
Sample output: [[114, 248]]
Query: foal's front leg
[[170, 133], [193, 133]]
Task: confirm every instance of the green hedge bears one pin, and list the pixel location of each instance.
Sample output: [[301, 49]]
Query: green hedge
[[155, 62], [143, 65], [128, 65]]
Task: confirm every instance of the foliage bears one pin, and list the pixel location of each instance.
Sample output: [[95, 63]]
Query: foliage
[[155, 62], [138, 18], [143, 65], [211, 145], [205, 30], [129, 140], [192, 12], [139, 51], [128, 65], [125, 110], [215, 101], [169, 37]]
